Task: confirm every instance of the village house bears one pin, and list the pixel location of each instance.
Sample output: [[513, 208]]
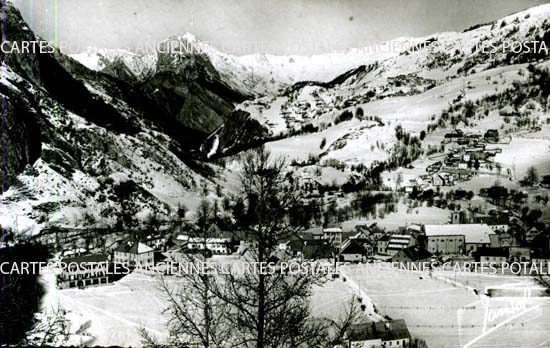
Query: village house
[[84, 271], [365, 241], [457, 238], [134, 253], [453, 136], [313, 249], [498, 223], [391, 333], [374, 231], [496, 256], [352, 251], [414, 229], [218, 246], [333, 234], [157, 241], [398, 242], [382, 244], [412, 255]]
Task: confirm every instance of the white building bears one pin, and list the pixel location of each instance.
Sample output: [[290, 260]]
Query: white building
[[333, 234], [392, 333], [220, 246], [84, 271], [133, 253], [457, 238]]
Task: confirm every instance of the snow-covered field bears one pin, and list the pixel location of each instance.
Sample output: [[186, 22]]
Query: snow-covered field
[[116, 311], [425, 215], [522, 153], [446, 315]]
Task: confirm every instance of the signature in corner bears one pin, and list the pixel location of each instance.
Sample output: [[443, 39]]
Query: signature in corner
[[516, 308]]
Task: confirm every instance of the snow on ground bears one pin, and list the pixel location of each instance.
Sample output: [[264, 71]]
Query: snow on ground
[[452, 316], [522, 153], [485, 181], [116, 311], [333, 299], [425, 215], [270, 116], [354, 141], [116, 317], [328, 175]]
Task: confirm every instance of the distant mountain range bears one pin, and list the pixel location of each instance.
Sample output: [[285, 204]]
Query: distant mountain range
[[90, 130]]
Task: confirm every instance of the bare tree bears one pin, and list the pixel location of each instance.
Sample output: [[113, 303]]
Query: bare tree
[[247, 309], [267, 309], [343, 325], [196, 317]]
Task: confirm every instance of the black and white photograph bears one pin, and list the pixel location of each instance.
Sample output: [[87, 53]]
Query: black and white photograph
[[275, 173]]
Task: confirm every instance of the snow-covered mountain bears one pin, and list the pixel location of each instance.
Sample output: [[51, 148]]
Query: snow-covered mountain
[[411, 88], [97, 128], [86, 149], [256, 73]]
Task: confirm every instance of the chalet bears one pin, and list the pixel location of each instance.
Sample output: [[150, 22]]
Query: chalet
[[352, 251], [365, 241], [392, 333], [313, 249], [398, 242], [413, 254], [473, 137], [457, 238], [134, 253], [375, 231], [498, 223], [333, 234], [84, 271], [382, 244], [491, 136], [496, 256]]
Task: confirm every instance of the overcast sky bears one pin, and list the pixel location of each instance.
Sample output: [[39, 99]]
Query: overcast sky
[[251, 26]]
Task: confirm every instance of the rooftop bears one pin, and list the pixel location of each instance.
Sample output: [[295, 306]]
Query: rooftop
[[93, 258], [134, 248], [414, 253], [382, 330], [473, 233]]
